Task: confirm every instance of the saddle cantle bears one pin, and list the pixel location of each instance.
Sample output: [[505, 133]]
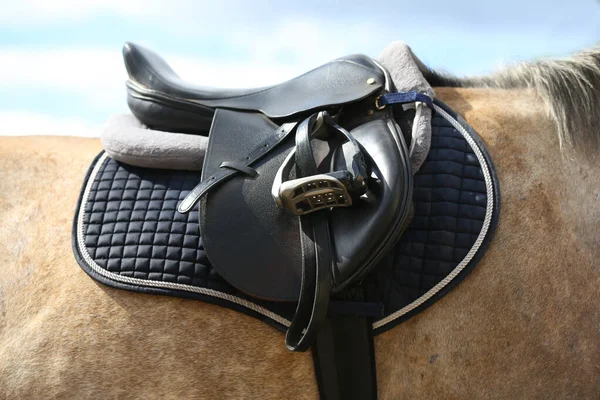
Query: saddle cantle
[[162, 100]]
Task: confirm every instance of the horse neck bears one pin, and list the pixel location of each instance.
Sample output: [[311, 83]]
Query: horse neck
[[550, 197]]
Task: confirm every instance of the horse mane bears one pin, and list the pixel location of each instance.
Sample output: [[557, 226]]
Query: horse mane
[[570, 88]]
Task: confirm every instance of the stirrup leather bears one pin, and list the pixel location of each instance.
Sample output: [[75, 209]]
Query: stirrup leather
[[312, 193]]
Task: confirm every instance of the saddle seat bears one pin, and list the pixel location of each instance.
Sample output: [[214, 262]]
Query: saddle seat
[[160, 99]]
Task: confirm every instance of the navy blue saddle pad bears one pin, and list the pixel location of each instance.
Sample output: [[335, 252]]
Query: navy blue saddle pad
[[128, 234]]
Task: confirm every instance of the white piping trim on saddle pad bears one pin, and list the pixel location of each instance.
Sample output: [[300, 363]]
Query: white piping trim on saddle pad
[[276, 317], [480, 238], [155, 284], [415, 128]]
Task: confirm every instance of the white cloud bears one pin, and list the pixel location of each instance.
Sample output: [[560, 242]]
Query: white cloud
[[94, 74], [99, 74], [27, 12], [311, 40], [23, 123]]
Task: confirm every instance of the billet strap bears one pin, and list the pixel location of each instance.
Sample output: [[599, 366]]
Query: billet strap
[[402, 98], [231, 168]]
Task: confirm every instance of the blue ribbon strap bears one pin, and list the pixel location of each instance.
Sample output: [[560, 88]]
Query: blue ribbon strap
[[403, 98]]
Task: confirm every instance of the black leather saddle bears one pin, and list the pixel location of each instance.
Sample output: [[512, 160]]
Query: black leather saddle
[[162, 100], [310, 178]]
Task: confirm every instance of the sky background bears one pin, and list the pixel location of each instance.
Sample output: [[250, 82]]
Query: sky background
[[61, 70]]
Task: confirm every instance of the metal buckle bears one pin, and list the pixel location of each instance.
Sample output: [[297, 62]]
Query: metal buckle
[[377, 105], [309, 194]]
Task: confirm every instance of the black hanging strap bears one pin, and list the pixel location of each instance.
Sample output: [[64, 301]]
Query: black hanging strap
[[316, 255], [344, 358]]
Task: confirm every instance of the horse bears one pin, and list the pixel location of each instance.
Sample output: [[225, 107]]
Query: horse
[[524, 324]]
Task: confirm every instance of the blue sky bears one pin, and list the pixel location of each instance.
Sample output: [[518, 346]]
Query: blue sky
[[61, 70]]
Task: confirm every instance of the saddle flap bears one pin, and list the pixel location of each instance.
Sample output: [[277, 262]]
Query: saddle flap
[[253, 242], [255, 245]]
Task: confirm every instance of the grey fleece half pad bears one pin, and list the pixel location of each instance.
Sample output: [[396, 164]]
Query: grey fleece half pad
[[125, 139], [128, 234]]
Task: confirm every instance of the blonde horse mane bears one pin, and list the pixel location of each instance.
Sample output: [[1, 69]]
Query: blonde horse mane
[[570, 88]]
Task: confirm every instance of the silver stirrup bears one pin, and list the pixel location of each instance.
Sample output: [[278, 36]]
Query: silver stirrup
[[309, 194]]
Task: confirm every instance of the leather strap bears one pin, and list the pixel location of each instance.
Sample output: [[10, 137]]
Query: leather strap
[[344, 358], [315, 287], [316, 254], [320, 191], [402, 98], [243, 168], [227, 171]]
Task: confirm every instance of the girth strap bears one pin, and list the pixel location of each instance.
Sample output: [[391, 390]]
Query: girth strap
[[344, 358]]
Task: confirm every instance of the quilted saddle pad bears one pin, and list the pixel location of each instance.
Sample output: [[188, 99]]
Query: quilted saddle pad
[[128, 234]]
